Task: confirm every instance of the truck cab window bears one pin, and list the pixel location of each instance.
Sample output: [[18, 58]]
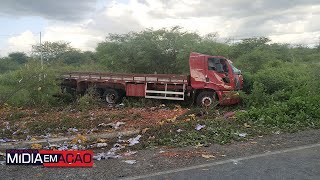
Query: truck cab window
[[217, 64], [224, 65], [211, 64]]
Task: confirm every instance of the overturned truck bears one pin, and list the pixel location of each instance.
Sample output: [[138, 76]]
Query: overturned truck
[[212, 80]]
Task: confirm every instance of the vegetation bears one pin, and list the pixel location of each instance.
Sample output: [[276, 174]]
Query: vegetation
[[281, 90]]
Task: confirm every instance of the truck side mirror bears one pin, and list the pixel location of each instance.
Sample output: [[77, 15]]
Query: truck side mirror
[[219, 68]]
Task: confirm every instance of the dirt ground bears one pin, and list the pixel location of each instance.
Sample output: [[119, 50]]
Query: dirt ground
[[21, 123]]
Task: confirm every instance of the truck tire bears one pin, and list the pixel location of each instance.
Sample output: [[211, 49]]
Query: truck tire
[[67, 89], [206, 99], [111, 96]]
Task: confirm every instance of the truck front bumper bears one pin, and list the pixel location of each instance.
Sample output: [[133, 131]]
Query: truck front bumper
[[228, 97]]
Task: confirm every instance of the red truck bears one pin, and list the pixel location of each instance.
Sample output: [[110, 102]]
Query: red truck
[[212, 79]]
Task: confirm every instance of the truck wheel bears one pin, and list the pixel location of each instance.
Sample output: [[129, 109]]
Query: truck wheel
[[111, 96], [67, 89], [206, 98]]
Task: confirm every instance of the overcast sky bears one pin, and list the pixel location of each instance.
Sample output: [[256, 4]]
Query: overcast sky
[[84, 23]]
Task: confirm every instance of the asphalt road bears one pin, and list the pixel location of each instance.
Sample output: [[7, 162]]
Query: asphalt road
[[295, 163], [279, 156]]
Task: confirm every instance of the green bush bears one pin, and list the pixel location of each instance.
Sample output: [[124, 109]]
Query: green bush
[[29, 86], [283, 98], [88, 100]]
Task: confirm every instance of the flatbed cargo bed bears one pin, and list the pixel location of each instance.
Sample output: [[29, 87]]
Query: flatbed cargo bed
[[117, 77]]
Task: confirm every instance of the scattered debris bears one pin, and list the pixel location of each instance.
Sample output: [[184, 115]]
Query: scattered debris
[[198, 145], [247, 125], [28, 138], [161, 123], [98, 157], [153, 108], [63, 147], [129, 153], [92, 130], [277, 132], [228, 115], [116, 125], [133, 141], [107, 155], [144, 130], [7, 124], [179, 130], [102, 145], [177, 107], [192, 116], [4, 140], [101, 140], [72, 130], [102, 125], [48, 135], [162, 106], [151, 137], [207, 156], [75, 147], [79, 139], [171, 119], [116, 147], [199, 127], [36, 146], [253, 142], [121, 105], [111, 154], [120, 140], [235, 162], [98, 145], [242, 134], [130, 161]]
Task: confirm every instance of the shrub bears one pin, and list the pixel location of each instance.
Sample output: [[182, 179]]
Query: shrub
[[283, 98], [87, 101], [29, 86]]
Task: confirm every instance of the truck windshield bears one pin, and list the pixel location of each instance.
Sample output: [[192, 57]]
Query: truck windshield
[[234, 69]]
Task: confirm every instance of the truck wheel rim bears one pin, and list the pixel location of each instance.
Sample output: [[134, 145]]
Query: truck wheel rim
[[206, 101], [110, 98]]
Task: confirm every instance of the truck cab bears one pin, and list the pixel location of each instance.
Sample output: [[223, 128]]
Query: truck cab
[[214, 79]]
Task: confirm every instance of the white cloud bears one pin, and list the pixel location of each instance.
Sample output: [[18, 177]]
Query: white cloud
[[78, 36], [22, 42], [286, 22], [306, 38]]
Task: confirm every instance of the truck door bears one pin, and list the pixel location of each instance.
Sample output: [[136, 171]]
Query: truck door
[[198, 68]]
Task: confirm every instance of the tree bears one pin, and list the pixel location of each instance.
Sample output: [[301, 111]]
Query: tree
[[148, 51], [248, 45], [72, 57], [6, 64], [51, 50], [19, 57]]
